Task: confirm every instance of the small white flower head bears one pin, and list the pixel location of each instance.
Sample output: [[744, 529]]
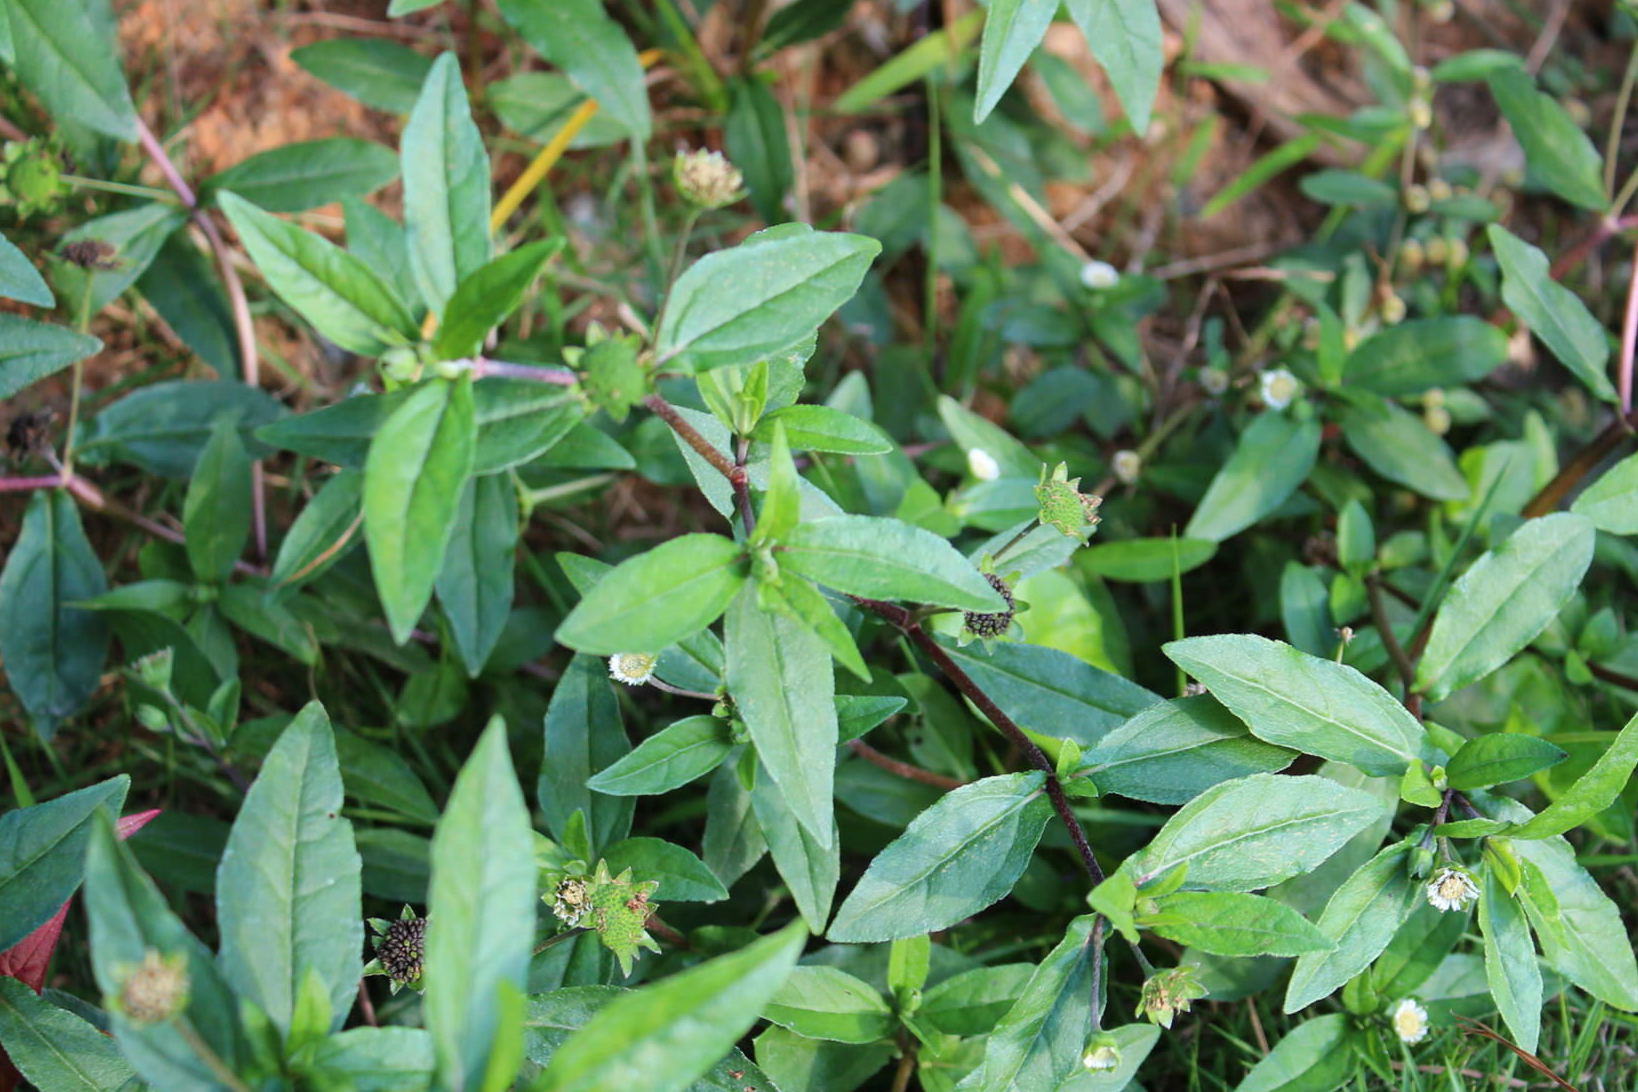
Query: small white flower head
[[1279, 387], [1452, 889], [1096, 274], [632, 668], [982, 464], [1410, 1021], [1126, 465], [1102, 1053], [707, 179], [1214, 381]]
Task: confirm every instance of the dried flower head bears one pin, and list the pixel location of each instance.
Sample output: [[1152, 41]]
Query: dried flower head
[[570, 902], [1167, 993], [1410, 1021], [155, 990], [707, 179], [980, 624], [1452, 889], [632, 668], [91, 254]]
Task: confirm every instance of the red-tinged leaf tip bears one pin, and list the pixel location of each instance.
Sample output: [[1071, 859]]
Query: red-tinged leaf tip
[[130, 824], [26, 960]]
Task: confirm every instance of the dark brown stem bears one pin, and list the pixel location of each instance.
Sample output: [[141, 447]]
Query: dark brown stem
[[666, 933], [691, 435], [1390, 642], [1610, 675], [365, 1005], [902, 769], [1579, 467], [740, 479]]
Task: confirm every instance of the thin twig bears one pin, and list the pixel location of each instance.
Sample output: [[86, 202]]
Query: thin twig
[[902, 769], [1579, 467], [691, 435], [1629, 340], [1390, 642], [484, 368]]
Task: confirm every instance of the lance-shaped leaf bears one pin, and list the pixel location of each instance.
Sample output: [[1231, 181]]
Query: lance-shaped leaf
[[487, 296], [886, 559], [809, 866], [1504, 600], [668, 759], [43, 859], [1125, 38], [216, 513], [828, 1003], [482, 912], [341, 296], [53, 652], [1359, 921], [446, 186], [389, 1059], [288, 888], [1295, 700], [307, 174], [579, 37], [1414, 356], [1253, 832], [747, 303], [1232, 923], [1611, 502], [1314, 1055], [657, 598], [1581, 936], [69, 58], [783, 687], [19, 280], [475, 585], [1012, 30], [1040, 1040], [583, 737], [973, 1002], [414, 475], [1552, 312], [1499, 758], [959, 856], [1559, 153], [1510, 960], [665, 1036], [1175, 750], [56, 1049], [1271, 460], [1591, 793], [1051, 692]]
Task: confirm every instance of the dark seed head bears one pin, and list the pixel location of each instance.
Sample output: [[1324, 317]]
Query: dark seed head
[[991, 625], [403, 948]]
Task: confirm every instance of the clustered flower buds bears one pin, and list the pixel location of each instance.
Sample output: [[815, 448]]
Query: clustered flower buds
[[980, 624], [632, 668], [1167, 993], [1410, 1021], [1452, 889], [400, 950], [707, 179], [155, 990]]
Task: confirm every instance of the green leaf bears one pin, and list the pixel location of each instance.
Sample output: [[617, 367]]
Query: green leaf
[[1552, 312], [136, 234], [820, 428], [475, 585], [216, 514], [377, 72], [30, 351], [1050, 692], [482, 909], [487, 296], [55, 1049], [164, 426], [53, 653], [1295, 700], [782, 683], [519, 421], [1592, 792], [1360, 919], [130, 918], [1339, 187], [305, 175], [579, 37], [828, 1003], [1418, 355], [375, 773], [928, 52], [1230, 923], [1503, 601], [1145, 560], [747, 303], [1498, 758], [1265, 168], [414, 476], [340, 295], [1175, 750], [310, 546], [19, 280], [809, 866], [1133, 1043], [185, 289], [1397, 445], [72, 62], [1253, 832], [1012, 30], [1271, 460], [1041, 1039], [959, 856], [287, 890], [1611, 502], [755, 139], [583, 737], [1314, 1057], [970, 431], [389, 1059], [339, 433], [663, 1037], [446, 186], [1125, 38], [1558, 152], [882, 558], [657, 598], [1585, 940], [973, 1002], [381, 242], [669, 759], [683, 877], [1510, 961], [45, 854]]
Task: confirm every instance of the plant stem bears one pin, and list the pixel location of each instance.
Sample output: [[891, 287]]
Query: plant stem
[[902, 769], [483, 368], [204, 1051], [1629, 336], [680, 692], [1618, 122], [1390, 642], [1580, 466], [22, 485], [78, 381], [122, 188], [691, 435], [740, 479], [675, 269]]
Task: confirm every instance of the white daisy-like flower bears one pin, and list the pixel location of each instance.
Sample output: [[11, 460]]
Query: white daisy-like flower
[[982, 464], [1279, 387], [632, 668], [1126, 465], [1096, 274], [1410, 1021], [1452, 889]]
